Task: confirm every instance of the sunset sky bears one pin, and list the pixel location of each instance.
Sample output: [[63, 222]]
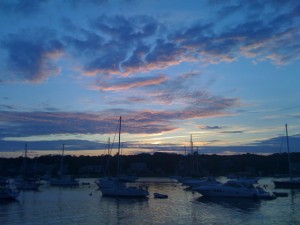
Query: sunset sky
[[225, 72]]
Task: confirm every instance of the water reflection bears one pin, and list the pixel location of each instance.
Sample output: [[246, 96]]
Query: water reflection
[[242, 204], [85, 205], [122, 210]]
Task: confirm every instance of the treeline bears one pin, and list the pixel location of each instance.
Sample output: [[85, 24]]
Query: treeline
[[157, 164]]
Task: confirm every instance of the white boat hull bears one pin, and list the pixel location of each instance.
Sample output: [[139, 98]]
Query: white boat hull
[[234, 190]]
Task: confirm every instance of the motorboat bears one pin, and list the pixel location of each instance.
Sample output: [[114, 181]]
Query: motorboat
[[6, 192], [234, 189]]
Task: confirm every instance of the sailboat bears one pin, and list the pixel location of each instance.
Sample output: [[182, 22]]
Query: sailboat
[[25, 182], [118, 188], [290, 183], [64, 181]]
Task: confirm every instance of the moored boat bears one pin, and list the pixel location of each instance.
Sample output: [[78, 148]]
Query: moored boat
[[117, 188], [234, 189], [63, 181], [6, 192], [291, 182]]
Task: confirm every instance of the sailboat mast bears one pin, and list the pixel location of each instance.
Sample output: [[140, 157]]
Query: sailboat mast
[[192, 145], [62, 160], [288, 150], [119, 147], [192, 156], [25, 161], [25, 151]]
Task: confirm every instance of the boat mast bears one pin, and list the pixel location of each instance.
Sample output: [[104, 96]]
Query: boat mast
[[106, 171], [25, 150], [288, 150], [119, 147], [25, 161], [62, 160], [192, 145], [192, 156]]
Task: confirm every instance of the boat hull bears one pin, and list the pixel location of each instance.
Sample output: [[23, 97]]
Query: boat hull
[[8, 194], [234, 189]]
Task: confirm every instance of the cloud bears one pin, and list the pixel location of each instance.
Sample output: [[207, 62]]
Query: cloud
[[233, 132], [16, 124], [128, 45], [210, 127], [125, 42], [30, 55], [73, 145], [268, 146], [129, 83]]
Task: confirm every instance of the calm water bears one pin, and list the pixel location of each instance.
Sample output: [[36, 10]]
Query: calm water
[[84, 205]]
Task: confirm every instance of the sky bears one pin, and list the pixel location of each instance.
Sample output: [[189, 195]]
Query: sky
[[225, 74]]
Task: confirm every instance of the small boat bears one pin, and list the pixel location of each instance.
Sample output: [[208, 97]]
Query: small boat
[[158, 195]]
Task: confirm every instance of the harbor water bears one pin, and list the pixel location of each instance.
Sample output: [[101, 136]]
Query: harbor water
[[85, 205]]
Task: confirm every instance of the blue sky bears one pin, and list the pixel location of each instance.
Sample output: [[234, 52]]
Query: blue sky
[[225, 72]]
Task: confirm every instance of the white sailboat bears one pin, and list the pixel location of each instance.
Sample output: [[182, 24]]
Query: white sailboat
[[24, 182], [118, 188], [290, 183], [64, 181]]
